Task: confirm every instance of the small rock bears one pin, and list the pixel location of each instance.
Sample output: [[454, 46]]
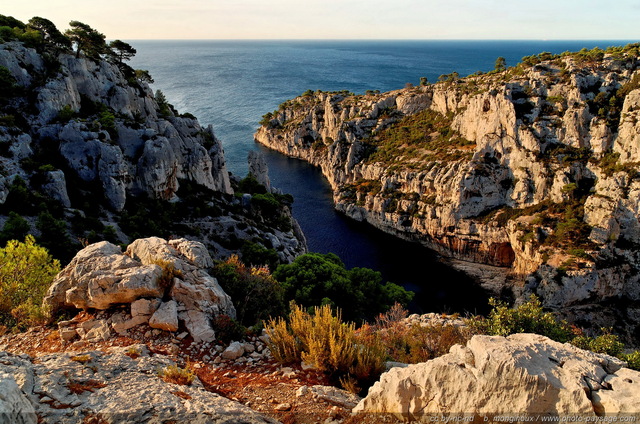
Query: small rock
[[303, 390], [67, 334], [166, 317], [182, 335], [234, 351], [283, 407]]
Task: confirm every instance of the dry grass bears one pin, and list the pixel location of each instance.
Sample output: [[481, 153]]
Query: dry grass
[[83, 359], [328, 344], [133, 352], [413, 343], [79, 387], [176, 375], [181, 394]]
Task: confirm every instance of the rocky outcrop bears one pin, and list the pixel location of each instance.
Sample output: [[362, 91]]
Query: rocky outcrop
[[101, 277], [143, 152], [523, 375], [530, 168], [96, 141], [110, 388]]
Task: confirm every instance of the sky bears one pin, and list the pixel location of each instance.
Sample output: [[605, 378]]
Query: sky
[[342, 19]]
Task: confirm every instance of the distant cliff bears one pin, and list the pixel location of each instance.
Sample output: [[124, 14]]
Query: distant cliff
[[87, 151], [533, 169]]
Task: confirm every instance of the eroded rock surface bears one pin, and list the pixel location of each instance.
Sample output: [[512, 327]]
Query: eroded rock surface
[[112, 387], [523, 374], [101, 276]]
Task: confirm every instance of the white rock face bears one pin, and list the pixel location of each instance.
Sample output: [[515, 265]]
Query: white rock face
[[56, 187], [520, 374], [258, 168], [166, 317], [130, 391], [148, 156], [101, 276], [15, 407]]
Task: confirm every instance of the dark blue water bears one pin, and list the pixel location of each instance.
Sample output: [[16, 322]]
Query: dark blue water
[[231, 84]]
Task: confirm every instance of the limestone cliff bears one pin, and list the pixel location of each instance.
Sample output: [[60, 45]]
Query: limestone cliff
[[89, 143], [532, 169]]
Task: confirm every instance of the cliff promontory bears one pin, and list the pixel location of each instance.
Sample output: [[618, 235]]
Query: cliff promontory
[[88, 151], [532, 169]]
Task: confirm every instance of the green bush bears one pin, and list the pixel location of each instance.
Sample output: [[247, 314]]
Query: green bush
[[15, 228], [255, 254], [66, 114], [526, 318], [256, 295], [250, 185], [316, 279], [108, 122], [227, 329], [26, 272], [605, 343], [632, 359], [8, 84]]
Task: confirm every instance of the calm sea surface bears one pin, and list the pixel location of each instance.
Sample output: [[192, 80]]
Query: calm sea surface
[[231, 84]]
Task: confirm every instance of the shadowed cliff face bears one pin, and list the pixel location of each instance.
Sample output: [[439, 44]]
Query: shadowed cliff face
[[532, 169], [92, 139]]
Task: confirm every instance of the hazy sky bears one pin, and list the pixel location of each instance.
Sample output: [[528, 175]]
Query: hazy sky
[[340, 19]]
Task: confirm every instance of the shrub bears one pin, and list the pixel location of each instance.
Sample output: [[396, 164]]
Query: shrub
[[256, 294], [526, 318], [133, 352], [256, 254], [249, 184], [605, 343], [176, 375], [15, 228], [66, 114], [227, 329], [169, 272], [8, 84], [632, 359], [316, 279], [108, 122], [413, 343], [327, 343], [26, 272]]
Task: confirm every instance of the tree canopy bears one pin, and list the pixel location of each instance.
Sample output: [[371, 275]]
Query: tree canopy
[[87, 40], [316, 279], [121, 51], [49, 32]]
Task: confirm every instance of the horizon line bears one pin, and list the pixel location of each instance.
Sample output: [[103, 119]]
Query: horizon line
[[386, 39]]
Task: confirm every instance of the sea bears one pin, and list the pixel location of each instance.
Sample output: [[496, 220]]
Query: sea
[[230, 84]]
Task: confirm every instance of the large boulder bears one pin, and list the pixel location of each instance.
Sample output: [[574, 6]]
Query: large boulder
[[523, 374], [101, 276]]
